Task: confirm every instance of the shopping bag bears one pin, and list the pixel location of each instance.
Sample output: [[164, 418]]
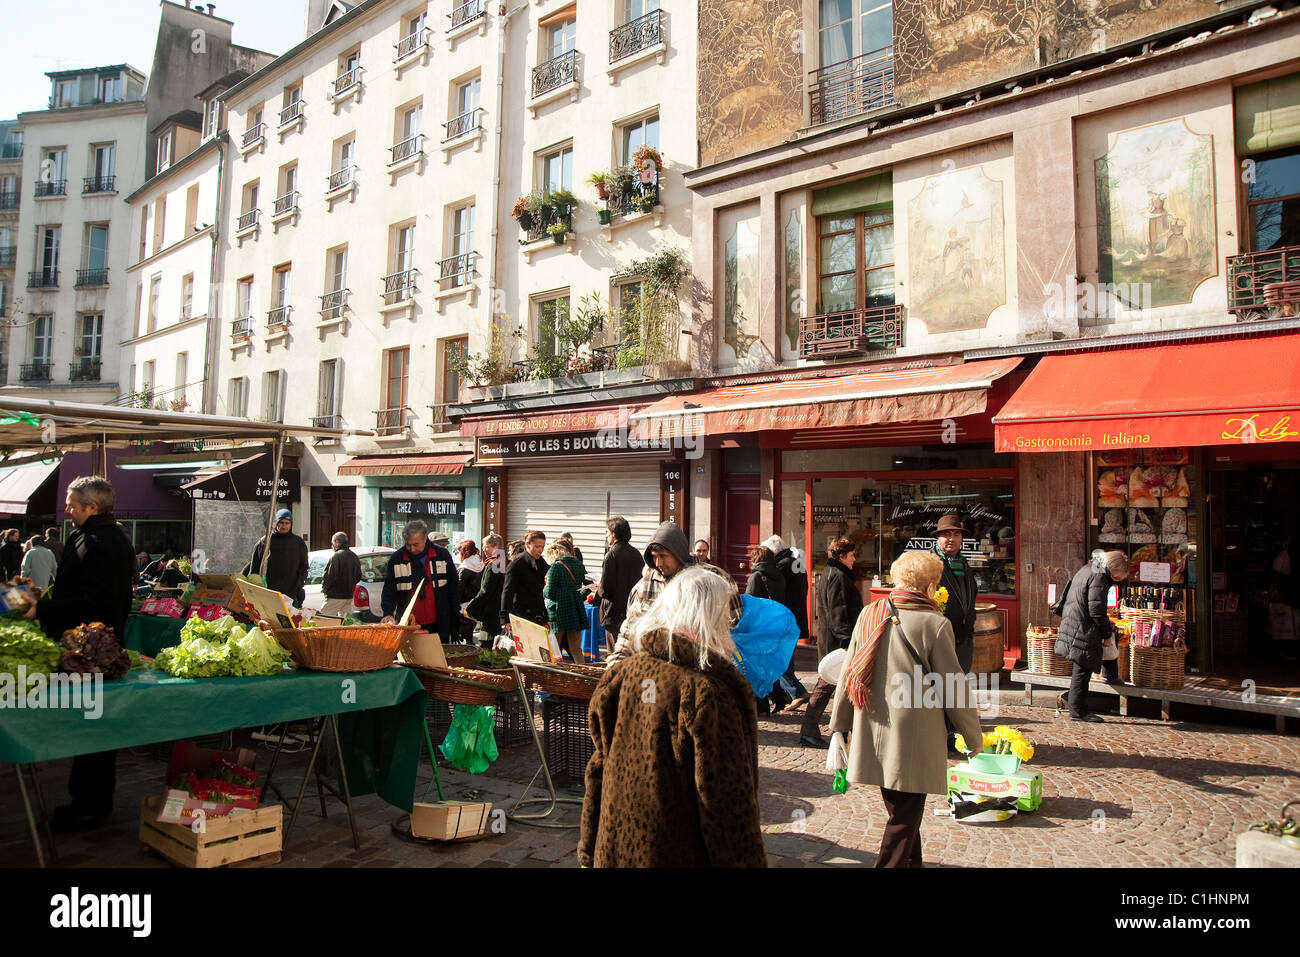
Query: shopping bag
[[471, 743], [1109, 650], [837, 760], [832, 665], [765, 638]]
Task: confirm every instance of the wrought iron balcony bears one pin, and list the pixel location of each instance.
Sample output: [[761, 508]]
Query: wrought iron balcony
[[850, 333], [35, 371], [407, 148], [43, 278], [538, 230], [456, 271], [253, 134], [291, 112], [285, 204], [246, 221], [11, 151], [636, 35], [438, 420], [465, 13], [399, 286], [852, 87], [555, 73], [8, 255], [92, 277], [278, 318], [643, 198], [465, 123], [347, 81], [340, 178], [99, 184], [9, 199], [1263, 281], [84, 370], [54, 187], [331, 421], [241, 328], [392, 421], [332, 304], [412, 42]]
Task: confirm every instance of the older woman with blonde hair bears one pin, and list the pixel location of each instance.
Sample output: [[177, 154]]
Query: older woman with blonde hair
[[898, 683], [673, 781]]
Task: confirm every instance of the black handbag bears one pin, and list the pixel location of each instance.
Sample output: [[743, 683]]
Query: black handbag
[[1057, 607]]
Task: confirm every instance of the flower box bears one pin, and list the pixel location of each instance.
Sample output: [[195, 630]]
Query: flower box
[[1025, 786]]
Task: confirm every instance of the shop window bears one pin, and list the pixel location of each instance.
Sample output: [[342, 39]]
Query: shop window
[[442, 509], [1273, 202], [1144, 508]]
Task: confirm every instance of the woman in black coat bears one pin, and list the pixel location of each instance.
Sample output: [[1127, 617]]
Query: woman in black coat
[[1085, 624], [525, 579], [839, 603], [765, 578]]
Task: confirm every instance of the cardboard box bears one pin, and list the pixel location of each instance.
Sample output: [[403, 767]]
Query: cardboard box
[[1025, 786], [165, 607], [211, 590], [178, 806], [261, 604], [208, 612], [450, 820]]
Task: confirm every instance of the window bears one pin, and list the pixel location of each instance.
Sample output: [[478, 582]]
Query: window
[[103, 159], [139, 308], [159, 222], [631, 312], [280, 295], [409, 124], [1273, 202], [92, 337], [42, 338], [248, 205], [130, 380], [244, 294], [557, 169], [110, 88], [288, 189], [211, 117], [192, 209], [155, 293], [96, 247], [855, 260], [344, 151], [635, 9], [144, 232], [417, 24], [237, 397], [65, 93], [551, 315], [187, 296], [467, 96], [327, 392], [397, 363], [451, 350], [851, 28], [53, 173], [51, 237], [462, 246], [400, 284], [561, 37], [273, 392], [164, 151], [352, 60], [147, 378], [336, 262], [182, 379], [641, 133]]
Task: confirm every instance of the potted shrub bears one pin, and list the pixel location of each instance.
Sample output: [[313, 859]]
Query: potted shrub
[[600, 181], [557, 231], [603, 216], [619, 183], [522, 214], [562, 203], [643, 202]]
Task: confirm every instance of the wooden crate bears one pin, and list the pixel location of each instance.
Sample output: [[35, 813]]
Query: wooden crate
[[244, 839]]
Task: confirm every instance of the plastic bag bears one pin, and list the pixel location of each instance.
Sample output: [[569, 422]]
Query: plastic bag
[[471, 743], [837, 760], [830, 667], [1109, 650], [765, 638]]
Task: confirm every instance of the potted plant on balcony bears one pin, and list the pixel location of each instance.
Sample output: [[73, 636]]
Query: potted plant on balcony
[[600, 180], [643, 202], [619, 182], [646, 163], [562, 203], [527, 210], [557, 231]]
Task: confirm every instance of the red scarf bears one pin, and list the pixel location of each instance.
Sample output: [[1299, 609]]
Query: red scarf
[[877, 615]]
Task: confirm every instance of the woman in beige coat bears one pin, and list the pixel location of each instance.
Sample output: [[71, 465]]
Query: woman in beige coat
[[901, 677]]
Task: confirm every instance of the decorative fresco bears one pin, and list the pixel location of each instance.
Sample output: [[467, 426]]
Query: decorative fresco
[[750, 75], [957, 250], [740, 289], [946, 46], [793, 301], [1155, 213]]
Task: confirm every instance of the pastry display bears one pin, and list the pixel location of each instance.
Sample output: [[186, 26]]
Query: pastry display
[[1144, 485], [1112, 488], [1173, 527], [1178, 491], [1112, 527], [1140, 529]]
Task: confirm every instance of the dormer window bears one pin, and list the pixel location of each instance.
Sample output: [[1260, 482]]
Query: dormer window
[[164, 150], [211, 112], [110, 88], [65, 93]]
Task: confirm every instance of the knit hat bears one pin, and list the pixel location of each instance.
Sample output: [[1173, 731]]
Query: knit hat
[[284, 513], [775, 544], [1117, 565]]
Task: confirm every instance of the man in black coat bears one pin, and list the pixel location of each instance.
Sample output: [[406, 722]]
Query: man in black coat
[[287, 568], [960, 582], [437, 607], [619, 573], [839, 603], [521, 592], [93, 584], [11, 554], [342, 572]]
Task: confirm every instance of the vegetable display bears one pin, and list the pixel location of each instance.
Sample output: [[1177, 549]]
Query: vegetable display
[[93, 649], [222, 648], [23, 643]]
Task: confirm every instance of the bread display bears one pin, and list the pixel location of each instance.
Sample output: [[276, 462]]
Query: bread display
[[1112, 488], [1140, 529], [1112, 527]]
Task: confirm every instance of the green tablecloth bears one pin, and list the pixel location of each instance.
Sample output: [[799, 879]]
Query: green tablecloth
[[381, 715], [149, 634]]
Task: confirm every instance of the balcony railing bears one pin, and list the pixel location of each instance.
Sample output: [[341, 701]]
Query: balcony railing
[[549, 217], [412, 42], [465, 123], [291, 112], [851, 333], [285, 203], [246, 221], [253, 134], [636, 35], [407, 148], [8, 255], [852, 87], [399, 286], [43, 278], [35, 371], [278, 318], [9, 199], [438, 419], [340, 178], [466, 13], [392, 421], [54, 187], [643, 198], [332, 304], [347, 81], [1263, 280], [456, 271], [10, 151], [98, 184], [554, 73], [331, 421], [241, 328], [84, 370], [92, 277]]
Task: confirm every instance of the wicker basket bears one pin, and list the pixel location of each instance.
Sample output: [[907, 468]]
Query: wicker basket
[[1176, 614], [1041, 656], [345, 648], [464, 685], [1158, 667], [561, 679], [461, 656]]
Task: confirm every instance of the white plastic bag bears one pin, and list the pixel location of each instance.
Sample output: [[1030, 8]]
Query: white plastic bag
[[1109, 650], [837, 755], [830, 667]]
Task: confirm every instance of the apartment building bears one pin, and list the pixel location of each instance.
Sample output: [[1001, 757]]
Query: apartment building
[[11, 175]]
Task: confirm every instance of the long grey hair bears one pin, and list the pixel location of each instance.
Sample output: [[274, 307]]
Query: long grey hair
[[694, 604]]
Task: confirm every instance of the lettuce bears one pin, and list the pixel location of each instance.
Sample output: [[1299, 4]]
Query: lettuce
[[222, 648]]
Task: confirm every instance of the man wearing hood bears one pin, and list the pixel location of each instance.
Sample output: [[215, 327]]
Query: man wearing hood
[[288, 564]]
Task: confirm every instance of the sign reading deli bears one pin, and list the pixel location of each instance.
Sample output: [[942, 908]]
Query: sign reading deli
[[578, 443]]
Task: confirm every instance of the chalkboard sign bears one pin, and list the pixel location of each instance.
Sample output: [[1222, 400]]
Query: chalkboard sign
[[225, 533]]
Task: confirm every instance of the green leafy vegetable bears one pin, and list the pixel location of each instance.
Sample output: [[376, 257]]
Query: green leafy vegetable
[[23, 643], [222, 648]]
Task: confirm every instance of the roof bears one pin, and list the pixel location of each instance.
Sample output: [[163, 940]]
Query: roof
[[233, 78], [207, 146], [55, 74], [190, 119]]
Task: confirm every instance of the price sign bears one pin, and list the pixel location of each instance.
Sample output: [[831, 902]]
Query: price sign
[[1155, 572]]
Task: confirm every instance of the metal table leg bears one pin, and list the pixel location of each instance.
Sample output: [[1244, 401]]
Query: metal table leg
[[330, 727], [333, 722], [302, 791], [551, 800], [433, 760], [267, 786], [31, 818]]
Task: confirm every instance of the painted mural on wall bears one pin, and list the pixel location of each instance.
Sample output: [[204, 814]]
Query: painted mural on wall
[[740, 291], [956, 250], [1155, 213], [946, 46], [792, 301], [750, 75]]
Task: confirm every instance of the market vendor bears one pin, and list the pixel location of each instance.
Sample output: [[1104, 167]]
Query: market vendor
[[286, 569], [961, 586], [437, 607], [93, 583]]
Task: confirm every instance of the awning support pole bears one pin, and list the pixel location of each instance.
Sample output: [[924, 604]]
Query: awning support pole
[[275, 501]]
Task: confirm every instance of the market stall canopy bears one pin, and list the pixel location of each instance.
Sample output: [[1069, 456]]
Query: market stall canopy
[[19, 482], [1201, 393], [406, 464], [867, 398]]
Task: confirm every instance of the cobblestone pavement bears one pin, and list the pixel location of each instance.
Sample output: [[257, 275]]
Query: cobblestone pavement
[[1132, 792]]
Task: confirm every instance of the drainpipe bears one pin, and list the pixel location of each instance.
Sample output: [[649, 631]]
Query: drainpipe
[[215, 275], [494, 243]]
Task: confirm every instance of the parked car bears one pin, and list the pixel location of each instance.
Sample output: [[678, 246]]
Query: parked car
[[367, 594]]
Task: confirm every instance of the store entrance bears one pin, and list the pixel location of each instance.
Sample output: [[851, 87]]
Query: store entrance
[[1254, 515]]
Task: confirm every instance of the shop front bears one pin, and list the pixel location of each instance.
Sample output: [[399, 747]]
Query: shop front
[[440, 490]]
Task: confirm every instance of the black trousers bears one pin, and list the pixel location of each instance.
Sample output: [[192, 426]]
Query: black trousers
[[901, 844], [1079, 678], [93, 781], [818, 700]]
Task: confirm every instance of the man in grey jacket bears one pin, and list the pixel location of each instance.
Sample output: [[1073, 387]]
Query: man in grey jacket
[[342, 572]]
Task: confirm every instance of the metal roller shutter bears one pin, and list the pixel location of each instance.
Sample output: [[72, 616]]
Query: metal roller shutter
[[573, 498]]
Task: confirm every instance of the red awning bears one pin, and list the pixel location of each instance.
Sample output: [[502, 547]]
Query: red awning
[[1202, 393], [406, 464], [903, 395], [590, 418]]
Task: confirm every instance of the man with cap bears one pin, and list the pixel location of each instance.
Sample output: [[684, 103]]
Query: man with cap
[[422, 566], [960, 582], [287, 566]]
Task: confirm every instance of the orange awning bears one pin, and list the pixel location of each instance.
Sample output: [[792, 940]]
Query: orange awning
[[406, 464], [903, 395], [1202, 393]]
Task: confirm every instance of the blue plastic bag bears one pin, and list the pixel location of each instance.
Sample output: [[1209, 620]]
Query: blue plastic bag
[[765, 638]]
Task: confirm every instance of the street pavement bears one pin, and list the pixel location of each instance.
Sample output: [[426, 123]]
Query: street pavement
[[1132, 792]]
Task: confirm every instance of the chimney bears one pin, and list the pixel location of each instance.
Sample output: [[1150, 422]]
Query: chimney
[[187, 4], [212, 9]]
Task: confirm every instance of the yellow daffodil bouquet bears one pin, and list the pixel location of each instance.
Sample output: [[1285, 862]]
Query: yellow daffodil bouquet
[[1002, 740], [941, 598]]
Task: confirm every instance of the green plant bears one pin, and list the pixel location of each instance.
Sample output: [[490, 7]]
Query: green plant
[[493, 367], [562, 201], [619, 182], [643, 202], [647, 159], [600, 180], [666, 270], [558, 228]]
